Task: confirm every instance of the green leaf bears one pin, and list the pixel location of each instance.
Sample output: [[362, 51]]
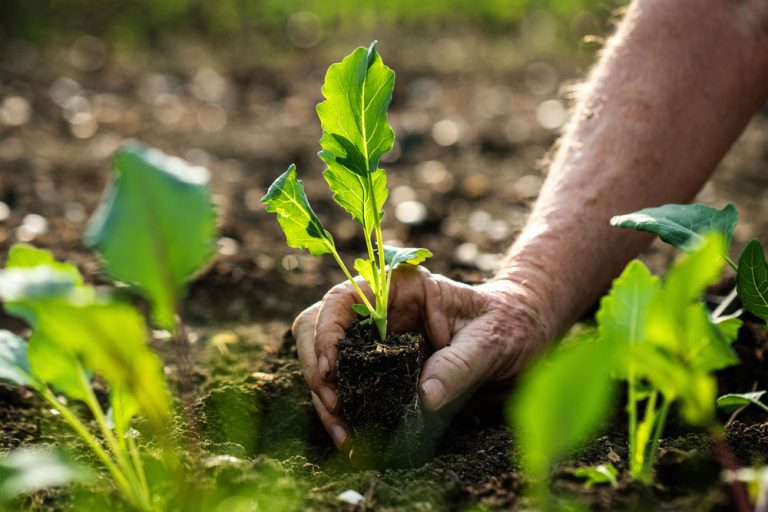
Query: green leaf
[[302, 228], [76, 328], [682, 225], [361, 310], [357, 91], [733, 401], [598, 475], [123, 407], [27, 256], [752, 280], [14, 366], [31, 469], [622, 315], [157, 227], [355, 193], [693, 273], [367, 269], [559, 406], [394, 256]]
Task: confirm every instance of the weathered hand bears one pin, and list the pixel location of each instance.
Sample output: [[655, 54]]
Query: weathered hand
[[479, 333]]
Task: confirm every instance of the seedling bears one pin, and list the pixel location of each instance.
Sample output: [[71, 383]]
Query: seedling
[[154, 230], [658, 337], [357, 91]]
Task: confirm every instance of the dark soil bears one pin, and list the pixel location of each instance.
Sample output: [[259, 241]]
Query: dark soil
[[259, 433], [378, 387]]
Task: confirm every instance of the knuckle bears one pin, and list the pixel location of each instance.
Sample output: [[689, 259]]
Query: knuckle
[[458, 364]]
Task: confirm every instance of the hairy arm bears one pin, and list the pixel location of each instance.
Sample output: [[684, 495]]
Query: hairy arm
[[672, 90]]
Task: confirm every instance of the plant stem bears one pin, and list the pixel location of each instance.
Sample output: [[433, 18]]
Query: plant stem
[[106, 432], [632, 411], [731, 263], [661, 419], [133, 450], [352, 280], [720, 309], [93, 444]]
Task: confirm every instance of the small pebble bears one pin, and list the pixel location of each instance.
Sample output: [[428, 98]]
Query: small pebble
[[351, 497]]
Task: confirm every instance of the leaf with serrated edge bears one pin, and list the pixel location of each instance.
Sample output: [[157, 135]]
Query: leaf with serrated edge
[[156, 228], [752, 280], [681, 225], [394, 256], [357, 91], [302, 228], [622, 314]]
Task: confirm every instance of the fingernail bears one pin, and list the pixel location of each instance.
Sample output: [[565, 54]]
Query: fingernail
[[329, 398], [339, 435], [433, 394], [324, 367]]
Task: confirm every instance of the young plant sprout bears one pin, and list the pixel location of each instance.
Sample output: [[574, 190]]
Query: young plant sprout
[[356, 134]]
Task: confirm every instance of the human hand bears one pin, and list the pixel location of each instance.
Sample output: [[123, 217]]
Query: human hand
[[479, 333]]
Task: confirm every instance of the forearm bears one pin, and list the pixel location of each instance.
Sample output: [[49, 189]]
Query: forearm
[[673, 89]]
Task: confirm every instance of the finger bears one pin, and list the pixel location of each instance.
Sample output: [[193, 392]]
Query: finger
[[455, 369], [334, 318], [335, 426], [303, 330]]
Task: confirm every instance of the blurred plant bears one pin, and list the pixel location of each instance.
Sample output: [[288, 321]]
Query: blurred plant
[[155, 230], [658, 337]]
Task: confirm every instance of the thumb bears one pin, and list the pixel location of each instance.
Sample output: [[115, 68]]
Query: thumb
[[454, 369]]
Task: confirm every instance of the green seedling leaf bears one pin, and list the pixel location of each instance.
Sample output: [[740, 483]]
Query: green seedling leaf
[[76, 331], [733, 401], [31, 469], [14, 366], [157, 227], [394, 256], [367, 269], [558, 405], [27, 256], [622, 315], [682, 225], [302, 228], [598, 475], [361, 310], [357, 91], [752, 280]]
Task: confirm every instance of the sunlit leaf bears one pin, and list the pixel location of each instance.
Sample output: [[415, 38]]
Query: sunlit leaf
[[302, 228], [367, 269], [682, 225], [357, 92], [598, 475], [752, 280], [394, 256], [622, 315], [559, 405], [733, 401], [27, 256], [31, 469], [156, 228], [75, 330]]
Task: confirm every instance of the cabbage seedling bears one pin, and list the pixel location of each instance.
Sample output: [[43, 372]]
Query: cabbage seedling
[[357, 91]]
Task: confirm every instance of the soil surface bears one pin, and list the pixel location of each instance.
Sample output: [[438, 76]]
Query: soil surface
[[465, 171]]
